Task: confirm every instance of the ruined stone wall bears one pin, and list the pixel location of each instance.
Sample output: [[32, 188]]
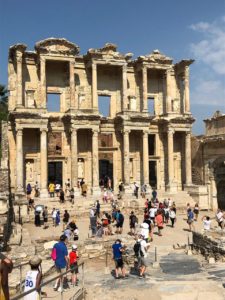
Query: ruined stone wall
[[197, 160], [4, 182]]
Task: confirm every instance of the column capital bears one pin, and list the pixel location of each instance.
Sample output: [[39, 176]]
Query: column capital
[[19, 131], [126, 131], [95, 131], [43, 130], [145, 133], [171, 130], [73, 130], [187, 133], [94, 65]]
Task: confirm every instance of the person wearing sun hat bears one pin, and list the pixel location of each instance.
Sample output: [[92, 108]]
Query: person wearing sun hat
[[73, 265], [33, 278]]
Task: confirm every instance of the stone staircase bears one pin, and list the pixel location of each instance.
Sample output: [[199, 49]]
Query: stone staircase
[[181, 198]]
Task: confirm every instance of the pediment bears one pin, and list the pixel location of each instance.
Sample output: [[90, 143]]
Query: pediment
[[57, 46]]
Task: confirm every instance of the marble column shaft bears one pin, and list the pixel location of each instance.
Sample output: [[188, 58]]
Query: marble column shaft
[[145, 89], [19, 161], [44, 160], [145, 158], [124, 87], [186, 89], [43, 82], [188, 170], [170, 155], [95, 162], [19, 80], [126, 151], [72, 85], [74, 170], [94, 87], [168, 91]]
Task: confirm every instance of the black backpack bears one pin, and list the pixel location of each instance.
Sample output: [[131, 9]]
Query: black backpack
[[121, 218], [137, 249]]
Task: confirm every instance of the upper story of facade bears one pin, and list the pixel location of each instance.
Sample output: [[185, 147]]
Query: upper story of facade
[[56, 79], [215, 126]]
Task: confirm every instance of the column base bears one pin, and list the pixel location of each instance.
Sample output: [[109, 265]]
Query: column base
[[188, 186], [96, 191], [171, 187]]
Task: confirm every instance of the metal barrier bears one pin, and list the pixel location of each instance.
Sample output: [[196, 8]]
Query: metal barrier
[[78, 294]]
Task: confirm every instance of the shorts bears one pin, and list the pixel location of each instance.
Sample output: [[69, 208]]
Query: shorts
[[60, 270], [142, 262], [119, 225], [190, 221], [45, 220], [74, 268], [132, 225], [152, 218], [119, 263]]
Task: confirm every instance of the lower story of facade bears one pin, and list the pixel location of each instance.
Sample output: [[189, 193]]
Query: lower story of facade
[[52, 150]]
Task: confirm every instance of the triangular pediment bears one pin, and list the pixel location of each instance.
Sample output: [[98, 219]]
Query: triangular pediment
[[57, 46]]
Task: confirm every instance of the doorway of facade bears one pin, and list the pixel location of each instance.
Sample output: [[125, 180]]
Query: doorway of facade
[[221, 194], [55, 172], [105, 171], [152, 174]]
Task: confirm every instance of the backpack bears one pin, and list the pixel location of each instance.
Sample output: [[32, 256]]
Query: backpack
[[53, 254], [121, 218], [137, 249]]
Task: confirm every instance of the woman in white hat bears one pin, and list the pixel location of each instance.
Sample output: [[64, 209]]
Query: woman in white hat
[[73, 265], [33, 278]]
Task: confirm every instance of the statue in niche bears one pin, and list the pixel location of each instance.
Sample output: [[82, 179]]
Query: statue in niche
[[29, 171], [80, 168]]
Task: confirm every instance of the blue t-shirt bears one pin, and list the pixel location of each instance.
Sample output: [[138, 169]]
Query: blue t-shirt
[[61, 252], [116, 251]]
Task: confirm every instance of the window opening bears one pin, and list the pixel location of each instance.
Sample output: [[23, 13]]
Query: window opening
[[151, 144], [151, 106], [53, 102], [104, 105]]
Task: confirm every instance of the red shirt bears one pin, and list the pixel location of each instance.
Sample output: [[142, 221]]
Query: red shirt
[[73, 257]]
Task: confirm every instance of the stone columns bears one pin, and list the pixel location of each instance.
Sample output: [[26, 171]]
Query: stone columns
[[43, 82], [170, 155], [124, 88], [126, 152], [72, 85], [19, 162], [188, 172], [44, 162], [95, 162], [74, 170], [186, 90], [145, 158], [144, 89], [94, 87], [19, 60], [168, 91]]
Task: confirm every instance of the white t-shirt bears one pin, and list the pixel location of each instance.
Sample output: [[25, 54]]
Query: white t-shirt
[[207, 224], [219, 216], [54, 213], [57, 186], [145, 230], [30, 283], [172, 214], [143, 247], [152, 212]]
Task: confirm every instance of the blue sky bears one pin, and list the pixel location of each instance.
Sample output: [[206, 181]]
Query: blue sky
[[180, 29]]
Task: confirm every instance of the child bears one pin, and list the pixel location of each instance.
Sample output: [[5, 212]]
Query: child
[[33, 278], [73, 265]]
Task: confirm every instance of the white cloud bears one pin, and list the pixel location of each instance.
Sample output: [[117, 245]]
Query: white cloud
[[211, 49]]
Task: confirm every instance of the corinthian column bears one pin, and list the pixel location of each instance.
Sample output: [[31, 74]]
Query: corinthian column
[[145, 158], [19, 79], [144, 89], [124, 87], [188, 171], [44, 163], [19, 161], [72, 85], [94, 87], [186, 89], [168, 91], [126, 153], [43, 82], [74, 174], [170, 156], [95, 179]]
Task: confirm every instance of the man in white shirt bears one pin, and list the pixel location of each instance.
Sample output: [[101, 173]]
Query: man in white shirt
[[142, 263], [220, 218], [145, 230], [206, 223], [152, 213]]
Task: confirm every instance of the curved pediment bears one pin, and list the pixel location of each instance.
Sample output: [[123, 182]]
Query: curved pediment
[[57, 46]]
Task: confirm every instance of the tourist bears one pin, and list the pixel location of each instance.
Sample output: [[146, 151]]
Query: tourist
[[136, 188], [206, 223], [6, 267], [190, 219], [166, 214], [72, 225], [37, 218], [196, 211], [101, 184], [109, 223], [31, 204], [220, 218], [141, 248], [29, 190], [188, 207], [150, 227], [33, 278], [68, 232], [170, 202], [133, 223], [72, 195], [118, 259], [152, 213], [143, 190], [166, 202], [105, 196], [61, 261], [105, 224], [174, 207], [98, 207], [73, 256], [51, 189], [66, 218], [159, 222], [61, 196], [57, 189], [145, 231], [172, 215], [93, 220], [119, 222], [67, 184], [54, 213], [84, 189], [57, 219], [36, 189], [45, 217], [154, 194]]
